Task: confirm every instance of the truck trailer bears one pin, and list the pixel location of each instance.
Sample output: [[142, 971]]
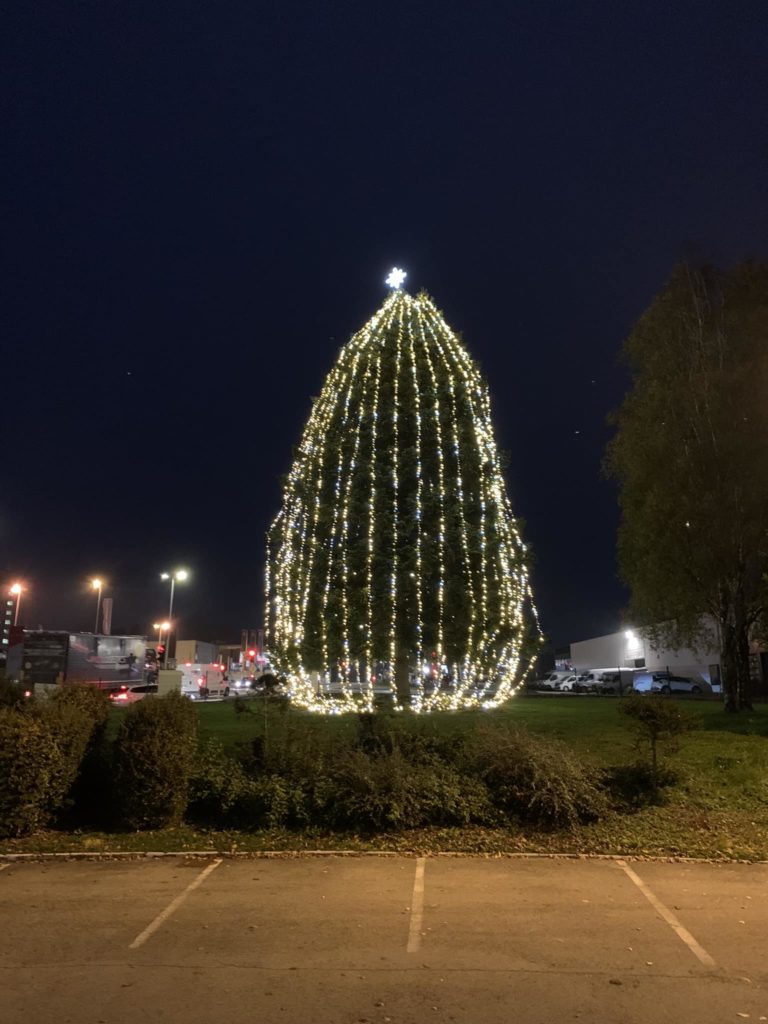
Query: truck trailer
[[47, 658]]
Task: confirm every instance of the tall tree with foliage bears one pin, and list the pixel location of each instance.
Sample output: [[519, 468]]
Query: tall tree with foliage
[[395, 558], [690, 454]]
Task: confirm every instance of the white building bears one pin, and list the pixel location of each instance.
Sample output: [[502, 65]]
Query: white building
[[196, 652], [630, 649]]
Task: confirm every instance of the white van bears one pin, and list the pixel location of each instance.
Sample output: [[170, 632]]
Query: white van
[[553, 680], [203, 682], [607, 680]]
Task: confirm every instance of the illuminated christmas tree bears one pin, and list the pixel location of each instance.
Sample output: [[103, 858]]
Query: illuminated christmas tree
[[395, 563]]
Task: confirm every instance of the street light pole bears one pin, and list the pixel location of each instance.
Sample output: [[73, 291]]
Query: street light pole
[[170, 606], [16, 590], [96, 584], [180, 575]]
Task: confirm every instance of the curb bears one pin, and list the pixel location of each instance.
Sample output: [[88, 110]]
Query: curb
[[16, 858]]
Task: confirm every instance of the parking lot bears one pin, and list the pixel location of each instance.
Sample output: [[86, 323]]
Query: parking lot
[[382, 939]]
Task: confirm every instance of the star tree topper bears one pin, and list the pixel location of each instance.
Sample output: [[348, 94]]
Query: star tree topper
[[396, 277]]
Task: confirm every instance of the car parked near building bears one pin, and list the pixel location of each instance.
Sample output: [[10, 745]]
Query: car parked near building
[[570, 683], [664, 683], [130, 694], [584, 682], [552, 680]]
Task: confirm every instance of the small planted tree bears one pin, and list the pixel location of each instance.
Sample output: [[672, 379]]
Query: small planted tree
[[656, 723]]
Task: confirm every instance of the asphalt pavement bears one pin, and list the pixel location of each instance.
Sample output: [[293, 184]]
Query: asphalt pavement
[[382, 940]]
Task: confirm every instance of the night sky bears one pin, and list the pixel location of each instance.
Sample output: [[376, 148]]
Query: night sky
[[202, 200]]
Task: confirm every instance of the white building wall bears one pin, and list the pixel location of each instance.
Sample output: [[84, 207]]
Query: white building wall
[[624, 648], [196, 652], [600, 652], [683, 662]]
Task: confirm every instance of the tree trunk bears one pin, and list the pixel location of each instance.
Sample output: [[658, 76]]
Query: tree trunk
[[403, 680], [655, 761], [735, 657]]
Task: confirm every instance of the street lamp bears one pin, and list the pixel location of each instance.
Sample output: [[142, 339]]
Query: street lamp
[[161, 627], [16, 590], [97, 585], [179, 575]]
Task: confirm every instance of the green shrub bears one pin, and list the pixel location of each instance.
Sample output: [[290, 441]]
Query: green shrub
[[91, 702], [44, 744], [74, 714], [216, 785], [374, 730], [657, 723], [11, 694], [34, 776], [388, 790], [276, 801], [417, 740], [223, 795], [154, 755], [81, 712], [534, 779], [287, 774], [631, 787], [296, 747]]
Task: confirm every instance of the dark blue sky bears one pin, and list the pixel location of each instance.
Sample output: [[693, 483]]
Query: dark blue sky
[[201, 201]]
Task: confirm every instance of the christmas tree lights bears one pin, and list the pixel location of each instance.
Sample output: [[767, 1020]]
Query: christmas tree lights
[[395, 566]]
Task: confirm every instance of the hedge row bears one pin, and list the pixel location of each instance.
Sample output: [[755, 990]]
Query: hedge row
[[56, 766], [42, 749]]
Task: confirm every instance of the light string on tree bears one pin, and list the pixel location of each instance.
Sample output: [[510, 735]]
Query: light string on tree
[[358, 571], [395, 486], [418, 696]]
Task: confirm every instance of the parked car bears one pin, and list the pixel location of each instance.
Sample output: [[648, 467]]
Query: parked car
[[128, 694], [241, 683], [662, 682], [586, 682], [552, 680], [605, 680], [567, 684], [608, 682]]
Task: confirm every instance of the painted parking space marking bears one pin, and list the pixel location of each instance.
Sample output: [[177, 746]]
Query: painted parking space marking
[[417, 908], [4, 866], [173, 906], [666, 914]]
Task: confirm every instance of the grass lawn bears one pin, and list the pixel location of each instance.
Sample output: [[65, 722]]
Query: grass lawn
[[718, 809], [591, 724]]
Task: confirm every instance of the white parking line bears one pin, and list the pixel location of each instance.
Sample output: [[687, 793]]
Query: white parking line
[[4, 866], [682, 932], [173, 906], [417, 908]]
